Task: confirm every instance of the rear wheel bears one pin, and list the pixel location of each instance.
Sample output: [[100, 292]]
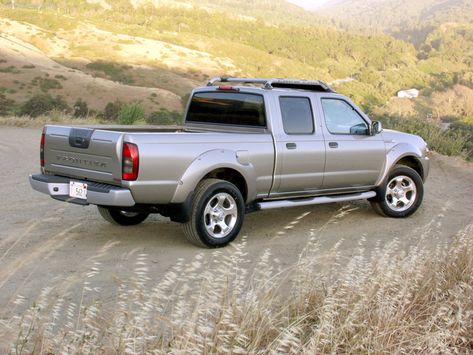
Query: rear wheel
[[122, 218], [402, 193], [217, 214]]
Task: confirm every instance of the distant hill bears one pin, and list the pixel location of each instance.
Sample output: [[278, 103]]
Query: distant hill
[[392, 14], [405, 19]]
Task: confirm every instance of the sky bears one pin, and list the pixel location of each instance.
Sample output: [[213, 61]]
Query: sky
[[309, 4]]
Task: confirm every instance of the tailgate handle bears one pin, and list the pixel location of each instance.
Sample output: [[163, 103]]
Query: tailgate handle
[[80, 137]]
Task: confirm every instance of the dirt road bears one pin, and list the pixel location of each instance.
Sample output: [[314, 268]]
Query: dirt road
[[46, 243]]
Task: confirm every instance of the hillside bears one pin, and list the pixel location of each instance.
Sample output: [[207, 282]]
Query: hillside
[[155, 52], [174, 48], [405, 19]]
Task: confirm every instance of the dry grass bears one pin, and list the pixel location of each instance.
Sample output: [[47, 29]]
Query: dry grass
[[390, 300], [53, 117]]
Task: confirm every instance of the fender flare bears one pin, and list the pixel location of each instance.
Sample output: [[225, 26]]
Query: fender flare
[[210, 161], [396, 153]]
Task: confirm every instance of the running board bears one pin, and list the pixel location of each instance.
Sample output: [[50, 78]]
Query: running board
[[268, 205]]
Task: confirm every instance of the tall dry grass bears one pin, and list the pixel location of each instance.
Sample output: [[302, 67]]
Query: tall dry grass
[[54, 117], [388, 300]]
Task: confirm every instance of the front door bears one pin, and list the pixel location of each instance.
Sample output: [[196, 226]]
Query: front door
[[354, 158]]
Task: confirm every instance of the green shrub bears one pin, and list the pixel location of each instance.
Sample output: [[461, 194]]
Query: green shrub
[[46, 84], [130, 113], [10, 69], [42, 104], [465, 129], [112, 110], [6, 105], [80, 108], [60, 77], [164, 117], [115, 72], [443, 141]]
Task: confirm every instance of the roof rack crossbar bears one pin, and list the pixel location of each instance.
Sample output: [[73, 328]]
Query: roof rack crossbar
[[270, 83]]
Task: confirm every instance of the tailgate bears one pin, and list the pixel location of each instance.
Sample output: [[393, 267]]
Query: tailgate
[[83, 153]]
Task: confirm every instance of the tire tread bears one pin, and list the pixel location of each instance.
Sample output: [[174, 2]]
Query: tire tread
[[379, 204], [189, 228]]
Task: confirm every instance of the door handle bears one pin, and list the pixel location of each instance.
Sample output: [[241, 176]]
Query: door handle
[[333, 144], [291, 145]]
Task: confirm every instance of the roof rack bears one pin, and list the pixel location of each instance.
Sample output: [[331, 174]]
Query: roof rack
[[312, 85]]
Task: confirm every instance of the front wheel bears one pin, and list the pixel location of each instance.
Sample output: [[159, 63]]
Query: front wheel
[[122, 218], [217, 214], [401, 194]]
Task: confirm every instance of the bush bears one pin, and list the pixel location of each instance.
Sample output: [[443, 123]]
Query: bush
[[113, 71], [41, 104], [46, 84], [130, 113], [465, 129], [80, 108], [164, 117], [6, 105], [112, 110], [443, 141]]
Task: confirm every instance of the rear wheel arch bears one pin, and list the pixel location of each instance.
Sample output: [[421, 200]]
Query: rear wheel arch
[[228, 168], [231, 175]]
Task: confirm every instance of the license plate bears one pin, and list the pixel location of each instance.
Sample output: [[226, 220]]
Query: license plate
[[78, 190]]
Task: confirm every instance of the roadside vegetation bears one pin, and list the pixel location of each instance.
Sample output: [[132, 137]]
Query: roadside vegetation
[[455, 140], [391, 300]]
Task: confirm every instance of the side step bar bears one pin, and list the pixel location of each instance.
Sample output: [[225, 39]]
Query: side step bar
[[268, 205]]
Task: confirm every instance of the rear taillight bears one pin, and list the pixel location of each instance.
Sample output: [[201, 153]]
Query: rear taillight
[[131, 161], [41, 151]]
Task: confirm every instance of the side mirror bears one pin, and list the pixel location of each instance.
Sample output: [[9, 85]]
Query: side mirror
[[376, 128]]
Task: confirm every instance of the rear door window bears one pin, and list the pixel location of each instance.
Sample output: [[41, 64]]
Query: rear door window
[[296, 115], [230, 108]]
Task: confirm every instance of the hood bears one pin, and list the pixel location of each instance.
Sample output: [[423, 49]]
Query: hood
[[392, 137]]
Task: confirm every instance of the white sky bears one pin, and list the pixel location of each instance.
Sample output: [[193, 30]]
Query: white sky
[[309, 4]]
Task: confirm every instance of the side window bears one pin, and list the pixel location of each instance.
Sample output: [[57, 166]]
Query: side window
[[297, 115], [341, 118]]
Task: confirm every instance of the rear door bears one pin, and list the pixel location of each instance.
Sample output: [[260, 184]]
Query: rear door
[[300, 148], [354, 157], [83, 153]]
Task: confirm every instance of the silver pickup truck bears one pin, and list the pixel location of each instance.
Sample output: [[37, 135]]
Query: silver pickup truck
[[261, 144]]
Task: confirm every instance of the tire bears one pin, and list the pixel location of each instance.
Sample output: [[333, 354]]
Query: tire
[[122, 218], [401, 194], [217, 214]]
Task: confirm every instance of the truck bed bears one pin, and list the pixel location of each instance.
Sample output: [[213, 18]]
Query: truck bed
[[94, 153]]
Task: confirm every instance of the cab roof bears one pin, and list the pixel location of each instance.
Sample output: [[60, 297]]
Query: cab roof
[[273, 83]]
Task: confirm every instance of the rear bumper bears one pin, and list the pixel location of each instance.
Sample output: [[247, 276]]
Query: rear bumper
[[97, 193]]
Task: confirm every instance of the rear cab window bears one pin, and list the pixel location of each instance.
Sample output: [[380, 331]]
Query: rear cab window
[[227, 108]]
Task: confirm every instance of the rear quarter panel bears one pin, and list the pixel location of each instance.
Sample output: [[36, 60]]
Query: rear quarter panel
[[171, 165]]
